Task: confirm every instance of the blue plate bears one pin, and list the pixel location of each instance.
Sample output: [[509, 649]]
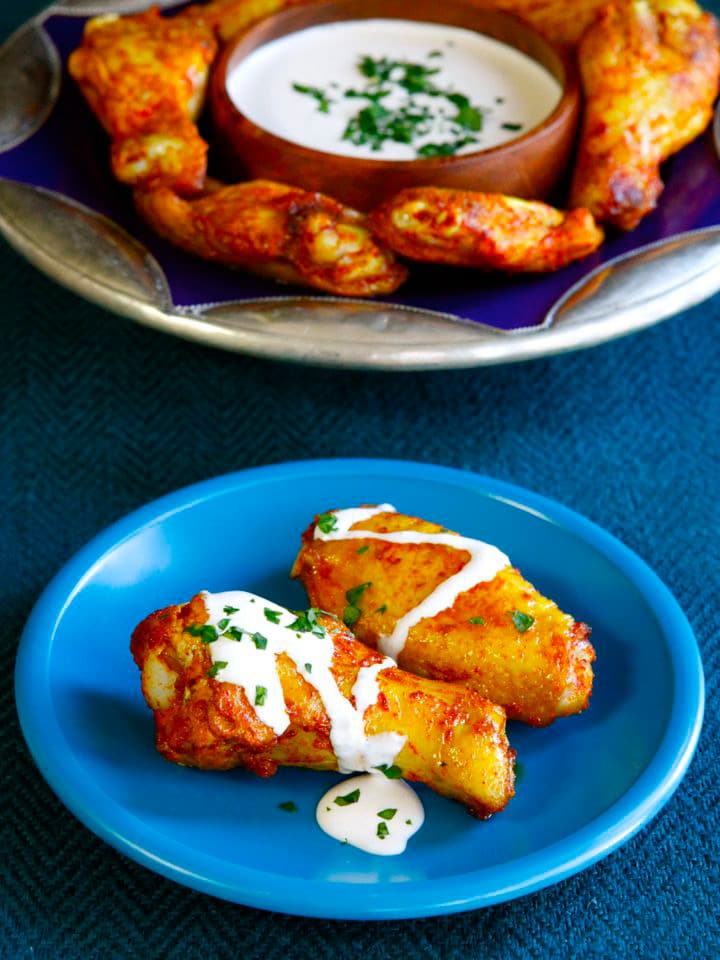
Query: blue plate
[[586, 785]]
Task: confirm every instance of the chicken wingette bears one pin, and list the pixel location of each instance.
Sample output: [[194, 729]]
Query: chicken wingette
[[447, 607], [283, 232], [235, 680], [145, 78], [485, 230], [650, 76]]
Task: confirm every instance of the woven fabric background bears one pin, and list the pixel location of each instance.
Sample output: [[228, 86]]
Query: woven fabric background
[[100, 415]]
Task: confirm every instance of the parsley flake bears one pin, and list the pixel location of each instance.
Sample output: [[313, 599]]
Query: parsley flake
[[218, 665], [382, 830], [259, 640], [320, 97], [223, 624], [230, 610], [511, 126], [351, 615], [349, 798], [477, 620], [522, 621], [308, 667], [307, 623], [288, 806], [206, 632], [363, 549], [235, 633], [327, 522], [260, 694], [382, 608], [354, 593], [392, 772], [388, 813], [272, 615]]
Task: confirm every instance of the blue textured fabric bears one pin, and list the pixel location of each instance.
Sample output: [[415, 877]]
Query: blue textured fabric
[[100, 415]]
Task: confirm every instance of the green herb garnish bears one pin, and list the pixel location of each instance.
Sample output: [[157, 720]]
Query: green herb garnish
[[308, 667], [327, 522], [206, 632], [259, 640], [382, 608], [392, 772], [354, 593], [320, 97], [382, 830], [230, 610], [477, 620], [522, 621], [363, 549], [388, 813], [307, 622], [218, 665], [511, 126], [223, 624], [235, 633], [349, 798], [260, 694], [351, 615], [288, 806], [272, 615], [409, 822]]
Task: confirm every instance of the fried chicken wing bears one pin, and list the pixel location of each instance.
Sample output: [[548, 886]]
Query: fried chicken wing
[[281, 231], [144, 77], [228, 17], [446, 736], [650, 75], [460, 614], [483, 230]]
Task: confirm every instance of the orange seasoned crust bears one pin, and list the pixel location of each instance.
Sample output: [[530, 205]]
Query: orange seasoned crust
[[538, 672], [456, 741], [486, 230], [281, 231]]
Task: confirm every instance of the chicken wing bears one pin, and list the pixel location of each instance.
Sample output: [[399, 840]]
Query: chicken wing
[[145, 77], [483, 230], [650, 75], [446, 736], [280, 231], [228, 17], [443, 612]]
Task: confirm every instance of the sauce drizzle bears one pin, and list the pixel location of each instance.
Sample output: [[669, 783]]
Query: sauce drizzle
[[484, 563]]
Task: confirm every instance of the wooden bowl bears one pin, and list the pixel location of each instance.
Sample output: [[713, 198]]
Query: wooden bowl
[[528, 166]]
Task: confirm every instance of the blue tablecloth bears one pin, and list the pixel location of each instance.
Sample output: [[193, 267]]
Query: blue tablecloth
[[100, 415]]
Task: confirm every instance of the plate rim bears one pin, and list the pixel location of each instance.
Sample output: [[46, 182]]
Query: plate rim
[[450, 894]]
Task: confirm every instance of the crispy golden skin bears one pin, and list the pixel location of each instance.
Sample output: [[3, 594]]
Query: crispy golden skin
[[456, 740], [280, 231], [538, 675], [650, 76], [144, 77], [484, 230], [228, 17]]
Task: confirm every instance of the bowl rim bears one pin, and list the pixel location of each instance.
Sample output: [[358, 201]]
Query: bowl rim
[[569, 102]]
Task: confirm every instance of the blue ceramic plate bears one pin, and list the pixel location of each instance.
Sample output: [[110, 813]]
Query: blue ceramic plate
[[586, 784]]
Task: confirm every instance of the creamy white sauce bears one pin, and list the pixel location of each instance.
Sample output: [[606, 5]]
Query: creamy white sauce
[[485, 562], [250, 662], [508, 86], [360, 823]]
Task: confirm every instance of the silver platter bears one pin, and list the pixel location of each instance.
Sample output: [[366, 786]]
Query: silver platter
[[101, 262]]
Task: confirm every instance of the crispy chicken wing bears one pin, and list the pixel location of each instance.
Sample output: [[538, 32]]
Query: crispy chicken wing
[[650, 75], [499, 636], [228, 17], [280, 231], [144, 77], [450, 737], [483, 230]]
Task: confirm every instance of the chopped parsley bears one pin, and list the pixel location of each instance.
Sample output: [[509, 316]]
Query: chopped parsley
[[327, 522], [392, 772], [409, 822], [288, 806], [511, 126], [522, 621], [223, 624], [349, 798], [363, 549], [382, 830], [351, 615], [272, 615], [259, 640], [354, 593], [382, 608], [230, 610], [320, 97], [308, 667], [218, 665], [477, 620], [206, 632], [307, 623], [396, 104], [388, 813], [235, 633], [260, 694]]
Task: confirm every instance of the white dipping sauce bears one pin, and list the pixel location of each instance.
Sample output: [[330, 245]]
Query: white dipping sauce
[[505, 85], [485, 562], [381, 820]]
